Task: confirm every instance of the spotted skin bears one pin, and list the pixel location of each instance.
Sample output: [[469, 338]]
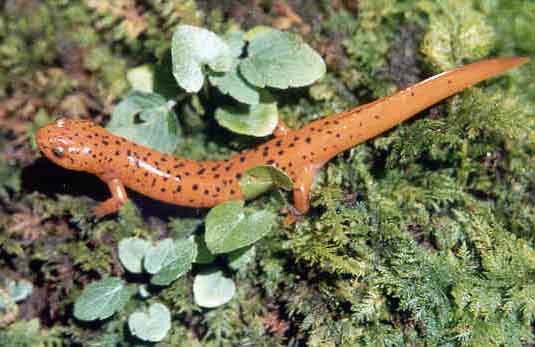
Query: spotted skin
[[84, 146]]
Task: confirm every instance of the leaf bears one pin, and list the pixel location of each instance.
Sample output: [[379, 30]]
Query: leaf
[[236, 41], [151, 326], [186, 252], [229, 227], [203, 253], [163, 254], [239, 259], [131, 253], [101, 299], [158, 128], [254, 120], [212, 289], [19, 290], [233, 84], [141, 78], [192, 47], [260, 179], [281, 60]]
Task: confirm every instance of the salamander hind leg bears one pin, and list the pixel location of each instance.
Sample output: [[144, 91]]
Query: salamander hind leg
[[301, 189], [117, 200]]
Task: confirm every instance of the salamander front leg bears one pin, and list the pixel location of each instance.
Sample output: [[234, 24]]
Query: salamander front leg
[[117, 200]]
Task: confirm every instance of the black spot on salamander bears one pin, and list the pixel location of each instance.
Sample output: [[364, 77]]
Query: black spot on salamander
[[117, 142], [280, 152], [187, 173], [105, 143], [290, 164], [336, 122], [376, 116], [232, 192], [216, 176], [227, 168], [278, 143], [296, 138], [360, 124], [291, 145], [412, 93], [338, 135], [450, 81], [165, 179], [270, 162], [153, 182], [162, 190], [215, 168], [164, 159], [117, 153], [206, 192], [178, 177], [217, 189], [195, 187], [304, 157], [178, 189], [201, 171], [308, 140], [238, 176], [242, 159], [179, 165], [146, 174]]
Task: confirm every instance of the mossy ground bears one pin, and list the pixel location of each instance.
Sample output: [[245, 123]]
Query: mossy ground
[[421, 237]]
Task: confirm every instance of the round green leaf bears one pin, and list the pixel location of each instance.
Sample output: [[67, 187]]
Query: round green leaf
[[141, 78], [19, 290], [254, 120], [192, 47], [212, 289], [233, 84], [152, 325], [101, 299], [131, 253], [158, 128], [281, 60], [239, 259], [236, 41], [156, 257], [185, 254], [204, 256], [229, 227], [260, 179]]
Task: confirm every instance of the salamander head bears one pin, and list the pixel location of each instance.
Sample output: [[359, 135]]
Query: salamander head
[[67, 142]]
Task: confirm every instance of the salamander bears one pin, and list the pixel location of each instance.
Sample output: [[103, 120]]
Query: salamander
[[84, 146]]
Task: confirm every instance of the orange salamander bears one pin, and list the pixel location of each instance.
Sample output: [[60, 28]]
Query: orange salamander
[[84, 146]]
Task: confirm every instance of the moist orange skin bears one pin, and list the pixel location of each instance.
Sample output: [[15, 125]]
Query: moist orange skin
[[84, 146]]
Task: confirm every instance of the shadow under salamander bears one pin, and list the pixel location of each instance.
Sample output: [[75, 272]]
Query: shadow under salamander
[[49, 179]]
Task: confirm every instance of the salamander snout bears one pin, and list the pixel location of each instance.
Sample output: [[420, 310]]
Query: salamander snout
[[66, 143]]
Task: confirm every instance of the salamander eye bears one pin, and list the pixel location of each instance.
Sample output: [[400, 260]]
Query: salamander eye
[[58, 152]]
